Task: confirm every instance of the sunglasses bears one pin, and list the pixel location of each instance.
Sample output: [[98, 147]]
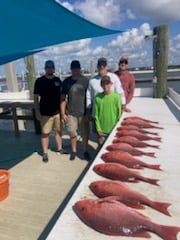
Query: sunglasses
[[123, 61]]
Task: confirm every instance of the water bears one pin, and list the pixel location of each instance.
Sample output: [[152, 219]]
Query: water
[[143, 80], [175, 84]]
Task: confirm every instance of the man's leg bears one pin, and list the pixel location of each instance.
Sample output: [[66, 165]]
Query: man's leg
[[72, 129], [74, 144], [45, 142], [46, 127], [57, 126], [84, 124]]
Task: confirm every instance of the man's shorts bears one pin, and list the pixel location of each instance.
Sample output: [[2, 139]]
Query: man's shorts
[[49, 123], [75, 123]]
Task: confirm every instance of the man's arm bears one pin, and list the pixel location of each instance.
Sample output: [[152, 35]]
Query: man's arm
[[97, 122], [63, 106], [131, 88], [88, 102], [118, 88], [37, 107]]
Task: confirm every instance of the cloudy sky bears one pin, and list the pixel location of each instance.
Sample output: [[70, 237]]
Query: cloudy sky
[[137, 18]]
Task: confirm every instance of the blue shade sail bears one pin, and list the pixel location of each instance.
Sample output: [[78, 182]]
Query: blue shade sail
[[13, 57], [28, 25]]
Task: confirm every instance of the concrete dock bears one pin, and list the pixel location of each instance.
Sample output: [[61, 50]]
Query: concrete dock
[[39, 205], [37, 190], [69, 226]]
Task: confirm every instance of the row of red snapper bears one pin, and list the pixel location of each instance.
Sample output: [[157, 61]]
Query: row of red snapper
[[112, 213]]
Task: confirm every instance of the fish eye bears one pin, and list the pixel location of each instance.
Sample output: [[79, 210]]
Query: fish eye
[[83, 208]]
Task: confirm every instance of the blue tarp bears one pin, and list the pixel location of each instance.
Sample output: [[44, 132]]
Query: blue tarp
[[31, 25]]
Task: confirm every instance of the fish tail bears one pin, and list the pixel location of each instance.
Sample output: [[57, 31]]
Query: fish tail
[[161, 207], [167, 232], [154, 122], [155, 166], [152, 133], [158, 139], [158, 127], [151, 180], [151, 145], [150, 154]]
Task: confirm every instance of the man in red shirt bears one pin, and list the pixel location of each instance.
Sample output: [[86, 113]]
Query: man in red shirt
[[127, 80]]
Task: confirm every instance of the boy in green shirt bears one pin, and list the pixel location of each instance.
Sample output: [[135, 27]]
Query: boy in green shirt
[[107, 110]]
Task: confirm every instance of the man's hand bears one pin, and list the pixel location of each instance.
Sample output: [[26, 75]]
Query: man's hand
[[64, 118], [38, 115]]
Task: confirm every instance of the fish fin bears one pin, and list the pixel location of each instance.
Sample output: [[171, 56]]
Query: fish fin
[[161, 207], [150, 154], [109, 198], [167, 232], [135, 205], [133, 180], [142, 215], [148, 132], [159, 127], [158, 139], [117, 198], [142, 234]]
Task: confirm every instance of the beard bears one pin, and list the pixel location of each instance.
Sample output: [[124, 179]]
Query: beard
[[50, 74]]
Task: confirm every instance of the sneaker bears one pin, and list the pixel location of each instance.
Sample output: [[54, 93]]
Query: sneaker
[[45, 158], [62, 151], [87, 156], [72, 156]]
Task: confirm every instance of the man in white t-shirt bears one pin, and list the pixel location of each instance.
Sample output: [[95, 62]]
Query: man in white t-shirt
[[94, 86]]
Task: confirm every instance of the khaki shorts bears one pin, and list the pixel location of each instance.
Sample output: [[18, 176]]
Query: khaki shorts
[[75, 123], [49, 123]]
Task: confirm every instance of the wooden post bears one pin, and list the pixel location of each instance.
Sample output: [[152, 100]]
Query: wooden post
[[160, 60], [31, 75]]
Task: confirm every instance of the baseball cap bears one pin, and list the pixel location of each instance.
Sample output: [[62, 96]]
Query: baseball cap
[[75, 64], [49, 63], [102, 62], [105, 80]]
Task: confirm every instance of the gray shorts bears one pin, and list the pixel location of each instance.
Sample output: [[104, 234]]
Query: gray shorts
[[75, 123]]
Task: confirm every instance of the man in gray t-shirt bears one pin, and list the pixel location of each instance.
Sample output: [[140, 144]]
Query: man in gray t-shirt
[[73, 108]]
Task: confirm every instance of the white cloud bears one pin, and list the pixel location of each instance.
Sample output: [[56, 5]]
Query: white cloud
[[174, 50], [109, 12], [133, 44], [63, 54], [130, 14], [130, 43], [101, 12], [66, 5], [162, 11]]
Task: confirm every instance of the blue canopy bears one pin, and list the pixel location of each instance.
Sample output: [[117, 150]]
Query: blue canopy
[[31, 25]]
